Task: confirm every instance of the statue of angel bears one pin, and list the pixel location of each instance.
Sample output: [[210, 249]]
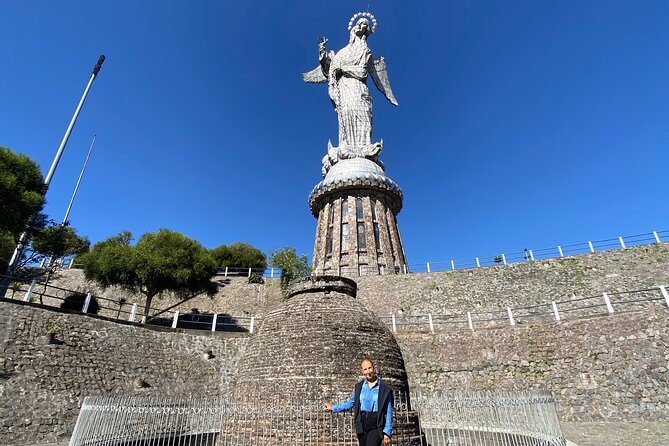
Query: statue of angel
[[346, 75]]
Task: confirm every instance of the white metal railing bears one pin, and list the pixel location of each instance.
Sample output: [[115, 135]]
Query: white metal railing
[[437, 419], [526, 255], [32, 290], [603, 304]]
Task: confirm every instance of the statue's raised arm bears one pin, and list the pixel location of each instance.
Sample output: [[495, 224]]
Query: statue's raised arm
[[346, 74], [319, 74]]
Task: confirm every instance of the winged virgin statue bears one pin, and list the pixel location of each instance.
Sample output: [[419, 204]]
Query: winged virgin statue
[[346, 75]]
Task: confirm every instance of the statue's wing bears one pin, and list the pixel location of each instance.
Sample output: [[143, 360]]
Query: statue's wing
[[379, 72], [314, 76]]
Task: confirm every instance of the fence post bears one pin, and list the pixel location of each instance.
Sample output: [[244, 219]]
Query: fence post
[[428, 267], [226, 271], [556, 312], [253, 319], [663, 290], [608, 302], [133, 313], [657, 237], [531, 255], [511, 320], [175, 320], [453, 265], [503, 259], [249, 272], [213, 323], [592, 248], [29, 293], [271, 274], [429, 318], [469, 318], [394, 324], [478, 263], [560, 251], [622, 242], [87, 302]]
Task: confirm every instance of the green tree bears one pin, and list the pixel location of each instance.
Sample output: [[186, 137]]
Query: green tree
[[292, 266], [21, 200], [59, 241], [241, 255], [55, 242], [159, 262]]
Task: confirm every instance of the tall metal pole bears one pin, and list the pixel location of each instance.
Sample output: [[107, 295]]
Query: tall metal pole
[[76, 188], [20, 246], [59, 153], [74, 194]]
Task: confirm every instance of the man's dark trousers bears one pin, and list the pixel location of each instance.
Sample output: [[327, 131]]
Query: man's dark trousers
[[371, 435]]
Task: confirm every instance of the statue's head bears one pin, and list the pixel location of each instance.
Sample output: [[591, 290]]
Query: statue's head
[[362, 27]]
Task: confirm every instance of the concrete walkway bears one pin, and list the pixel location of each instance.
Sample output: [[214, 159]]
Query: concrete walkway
[[646, 433]]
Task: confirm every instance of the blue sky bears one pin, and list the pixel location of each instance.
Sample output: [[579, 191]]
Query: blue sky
[[520, 123]]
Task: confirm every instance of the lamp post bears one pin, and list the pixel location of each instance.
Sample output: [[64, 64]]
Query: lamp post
[[23, 239]]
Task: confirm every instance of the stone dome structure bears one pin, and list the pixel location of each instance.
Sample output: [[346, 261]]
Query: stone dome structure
[[314, 342]]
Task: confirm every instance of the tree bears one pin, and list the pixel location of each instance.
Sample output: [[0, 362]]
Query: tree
[[55, 242], [58, 241], [159, 262], [241, 255], [292, 266], [21, 200]]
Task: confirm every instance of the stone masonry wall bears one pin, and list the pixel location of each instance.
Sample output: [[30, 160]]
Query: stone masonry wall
[[42, 385], [609, 368], [517, 284], [602, 368], [445, 291]]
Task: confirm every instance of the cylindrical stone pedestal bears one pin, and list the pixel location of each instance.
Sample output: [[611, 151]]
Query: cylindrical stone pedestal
[[306, 352], [357, 234], [313, 345]]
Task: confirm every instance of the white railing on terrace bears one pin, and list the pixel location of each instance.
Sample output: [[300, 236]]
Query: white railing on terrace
[[606, 303], [526, 255], [26, 290], [650, 299], [225, 271]]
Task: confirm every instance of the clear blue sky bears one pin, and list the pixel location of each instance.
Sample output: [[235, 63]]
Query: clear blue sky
[[520, 124]]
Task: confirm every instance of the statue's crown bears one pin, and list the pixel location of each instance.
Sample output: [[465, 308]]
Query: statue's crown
[[359, 15]]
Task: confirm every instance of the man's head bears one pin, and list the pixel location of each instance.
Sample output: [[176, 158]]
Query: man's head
[[367, 370]]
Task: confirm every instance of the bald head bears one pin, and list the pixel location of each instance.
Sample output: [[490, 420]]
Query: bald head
[[367, 370]]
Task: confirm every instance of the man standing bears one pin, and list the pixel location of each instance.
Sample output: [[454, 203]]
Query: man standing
[[372, 404]]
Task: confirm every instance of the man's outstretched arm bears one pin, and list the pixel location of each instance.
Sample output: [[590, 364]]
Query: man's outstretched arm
[[342, 407]]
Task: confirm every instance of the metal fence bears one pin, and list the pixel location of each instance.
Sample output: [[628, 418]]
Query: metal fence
[[528, 255], [525, 255], [606, 303], [38, 291], [444, 419], [649, 299], [487, 418]]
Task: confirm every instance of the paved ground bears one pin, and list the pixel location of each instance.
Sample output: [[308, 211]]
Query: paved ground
[[650, 433], [647, 433]]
